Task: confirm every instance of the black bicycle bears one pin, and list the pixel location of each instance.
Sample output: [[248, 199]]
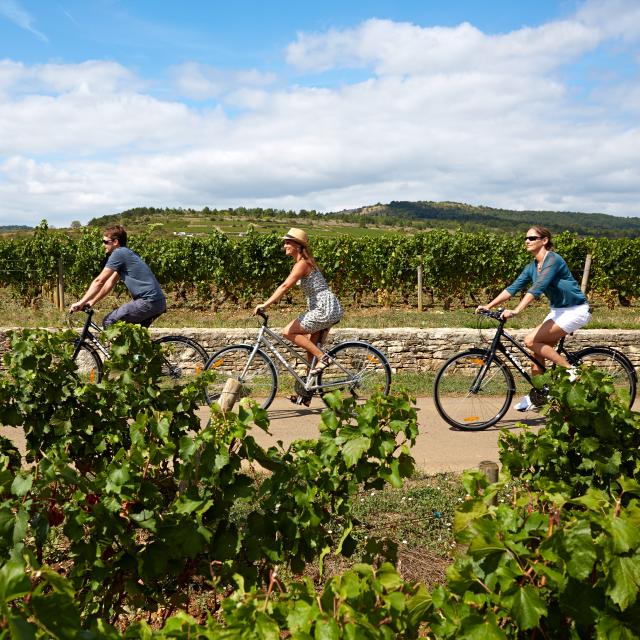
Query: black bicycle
[[474, 389], [183, 358]]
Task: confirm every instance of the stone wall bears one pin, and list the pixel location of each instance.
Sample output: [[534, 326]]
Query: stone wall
[[420, 349], [410, 349]]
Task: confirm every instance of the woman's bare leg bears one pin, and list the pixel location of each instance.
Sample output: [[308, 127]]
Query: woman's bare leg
[[295, 332], [542, 341]]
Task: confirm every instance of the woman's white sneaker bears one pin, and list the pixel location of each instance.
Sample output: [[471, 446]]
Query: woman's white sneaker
[[524, 405]]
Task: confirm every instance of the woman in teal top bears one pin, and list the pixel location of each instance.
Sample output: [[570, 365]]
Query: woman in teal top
[[547, 273]]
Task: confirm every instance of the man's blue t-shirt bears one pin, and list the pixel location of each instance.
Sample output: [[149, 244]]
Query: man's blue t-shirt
[[554, 280], [135, 274]]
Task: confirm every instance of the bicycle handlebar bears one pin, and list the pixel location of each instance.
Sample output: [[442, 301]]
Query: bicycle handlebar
[[264, 316], [496, 315]]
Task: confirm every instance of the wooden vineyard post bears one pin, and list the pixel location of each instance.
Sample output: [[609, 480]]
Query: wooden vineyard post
[[585, 273], [60, 285], [490, 470], [420, 283], [229, 394]]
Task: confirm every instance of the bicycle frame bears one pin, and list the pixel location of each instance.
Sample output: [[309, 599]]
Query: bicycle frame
[[87, 336], [497, 345], [269, 339]]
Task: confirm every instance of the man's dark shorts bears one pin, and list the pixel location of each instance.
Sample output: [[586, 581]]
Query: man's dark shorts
[[139, 311]]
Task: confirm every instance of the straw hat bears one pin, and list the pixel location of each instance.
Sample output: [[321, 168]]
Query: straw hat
[[297, 235]]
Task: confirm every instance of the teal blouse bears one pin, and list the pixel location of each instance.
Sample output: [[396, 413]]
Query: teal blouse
[[554, 280]]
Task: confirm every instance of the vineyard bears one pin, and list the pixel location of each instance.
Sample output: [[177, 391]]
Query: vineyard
[[216, 270], [128, 508]]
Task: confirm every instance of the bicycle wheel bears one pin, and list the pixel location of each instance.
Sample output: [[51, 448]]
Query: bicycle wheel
[[257, 375], [360, 368], [471, 396], [88, 363], [183, 360], [615, 364]]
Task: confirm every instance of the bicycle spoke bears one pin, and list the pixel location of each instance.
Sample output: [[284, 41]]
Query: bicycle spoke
[[359, 368], [469, 395], [257, 376]]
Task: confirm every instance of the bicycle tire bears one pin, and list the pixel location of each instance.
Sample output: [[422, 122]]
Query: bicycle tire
[[615, 364], [463, 408], [184, 360], [361, 369], [259, 378], [88, 363]]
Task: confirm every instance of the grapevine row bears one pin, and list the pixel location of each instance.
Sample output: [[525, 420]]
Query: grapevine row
[[458, 268], [128, 505]]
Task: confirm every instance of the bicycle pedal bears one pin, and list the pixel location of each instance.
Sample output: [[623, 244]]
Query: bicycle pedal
[[539, 396]]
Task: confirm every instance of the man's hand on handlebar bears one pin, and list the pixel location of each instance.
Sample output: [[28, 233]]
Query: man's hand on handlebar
[[259, 310], [79, 306]]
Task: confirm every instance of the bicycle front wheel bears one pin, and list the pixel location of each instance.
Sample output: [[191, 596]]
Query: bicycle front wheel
[[183, 360], [88, 363], [616, 365], [256, 374], [359, 368], [471, 395]]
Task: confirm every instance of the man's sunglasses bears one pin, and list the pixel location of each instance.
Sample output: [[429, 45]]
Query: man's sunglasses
[[532, 238], [107, 241]]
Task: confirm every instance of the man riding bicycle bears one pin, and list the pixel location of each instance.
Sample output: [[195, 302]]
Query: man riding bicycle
[[123, 264]]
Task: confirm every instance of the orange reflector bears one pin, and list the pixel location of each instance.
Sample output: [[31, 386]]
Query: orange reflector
[[471, 418], [92, 376], [217, 364], [198, 369], [477, 361]]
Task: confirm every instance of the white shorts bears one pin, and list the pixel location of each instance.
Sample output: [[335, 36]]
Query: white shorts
[[570, 319]]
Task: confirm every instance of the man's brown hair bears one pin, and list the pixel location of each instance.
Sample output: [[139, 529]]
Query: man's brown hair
[[118, 233]]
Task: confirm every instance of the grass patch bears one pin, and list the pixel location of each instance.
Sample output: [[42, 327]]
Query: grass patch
[[416, 518], [44, 314]]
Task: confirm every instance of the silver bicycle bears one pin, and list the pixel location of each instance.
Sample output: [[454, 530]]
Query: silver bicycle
[[356, 367]]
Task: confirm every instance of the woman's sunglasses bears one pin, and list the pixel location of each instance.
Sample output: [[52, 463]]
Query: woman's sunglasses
[[532, 238]]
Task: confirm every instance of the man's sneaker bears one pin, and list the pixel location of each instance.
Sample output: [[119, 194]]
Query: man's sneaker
[[573, 374], [524, 405]]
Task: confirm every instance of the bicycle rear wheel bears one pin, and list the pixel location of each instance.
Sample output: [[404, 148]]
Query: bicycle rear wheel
[[470, 395], [183, 360], [359, 368], [88, 363], [616, 365], [257, 375]]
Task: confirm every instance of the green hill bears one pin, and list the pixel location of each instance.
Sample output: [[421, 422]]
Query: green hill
[[473, 218], [371, 220], [11, 228]]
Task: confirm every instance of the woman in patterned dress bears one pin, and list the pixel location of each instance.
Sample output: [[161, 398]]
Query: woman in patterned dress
[[324, 308]]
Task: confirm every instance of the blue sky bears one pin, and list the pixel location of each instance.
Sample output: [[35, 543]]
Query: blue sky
[[107, 105]]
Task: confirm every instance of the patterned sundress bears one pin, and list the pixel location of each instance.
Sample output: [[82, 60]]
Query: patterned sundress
[[324, 307]]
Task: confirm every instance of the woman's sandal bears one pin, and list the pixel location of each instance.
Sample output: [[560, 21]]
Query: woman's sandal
[[296, 399], [321, 365]]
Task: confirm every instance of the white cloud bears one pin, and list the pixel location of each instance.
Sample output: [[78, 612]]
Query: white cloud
[[438, 50], [11, 10], [444, 114], [202, 82]]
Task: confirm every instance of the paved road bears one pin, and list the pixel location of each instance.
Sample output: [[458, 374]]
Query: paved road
[[438, 448]]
